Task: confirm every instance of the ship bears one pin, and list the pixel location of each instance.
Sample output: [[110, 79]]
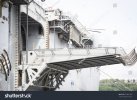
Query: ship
[[46, 49]]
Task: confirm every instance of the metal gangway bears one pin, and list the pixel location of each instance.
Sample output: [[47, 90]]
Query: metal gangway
[[5, 65], [48, 67]]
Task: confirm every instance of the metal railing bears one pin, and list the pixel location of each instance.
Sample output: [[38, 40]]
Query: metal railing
[[131, 58], [77, 23], [59, 25]]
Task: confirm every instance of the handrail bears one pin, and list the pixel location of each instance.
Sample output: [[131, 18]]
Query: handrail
[[52, 51], [39, 6], [131, 58]]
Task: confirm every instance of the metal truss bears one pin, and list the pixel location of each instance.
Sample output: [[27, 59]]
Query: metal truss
[[51, 78], [42, 76]]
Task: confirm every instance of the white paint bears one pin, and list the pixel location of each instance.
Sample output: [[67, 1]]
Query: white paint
[[4, 30], [35, 40], [55, 42], [4, 43]]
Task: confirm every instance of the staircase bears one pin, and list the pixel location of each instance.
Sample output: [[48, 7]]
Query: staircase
[[75, 21], [47, 68]]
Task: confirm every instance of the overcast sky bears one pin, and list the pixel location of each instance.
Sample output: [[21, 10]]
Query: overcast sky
[[118, 18]]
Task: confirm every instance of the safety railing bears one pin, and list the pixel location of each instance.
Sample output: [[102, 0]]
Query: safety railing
[[39, 56], [78, 52], [77, 23], [131, 58], [59, 24]]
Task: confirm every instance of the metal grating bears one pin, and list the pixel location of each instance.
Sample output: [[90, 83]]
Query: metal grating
[[88, 62]]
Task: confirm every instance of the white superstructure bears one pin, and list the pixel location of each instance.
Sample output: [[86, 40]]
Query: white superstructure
[[46, 49]]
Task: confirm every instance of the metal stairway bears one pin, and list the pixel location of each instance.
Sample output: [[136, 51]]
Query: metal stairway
[[73, 19], [48, 67]]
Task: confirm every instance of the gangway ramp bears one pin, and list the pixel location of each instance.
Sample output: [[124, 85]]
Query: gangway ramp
[[81, 58], [48, 67]]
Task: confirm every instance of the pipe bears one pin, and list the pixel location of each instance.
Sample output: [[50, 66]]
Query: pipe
[[27, 35]]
